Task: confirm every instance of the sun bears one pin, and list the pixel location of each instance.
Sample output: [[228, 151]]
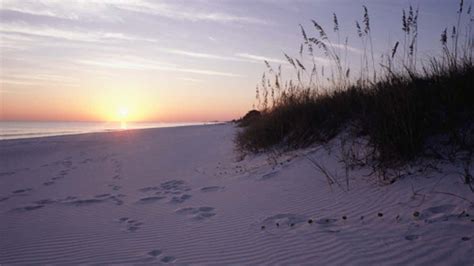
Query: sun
[[123, 113]]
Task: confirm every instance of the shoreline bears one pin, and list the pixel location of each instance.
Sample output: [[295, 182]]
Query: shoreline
[[111, 131]]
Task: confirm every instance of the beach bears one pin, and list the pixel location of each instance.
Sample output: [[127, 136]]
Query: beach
[[185, 195]]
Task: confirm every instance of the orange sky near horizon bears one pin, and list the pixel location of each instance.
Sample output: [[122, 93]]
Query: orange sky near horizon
[[98, 93], [108, 106]]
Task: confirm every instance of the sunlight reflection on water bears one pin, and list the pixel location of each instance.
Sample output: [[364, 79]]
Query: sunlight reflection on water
[[22, 129]]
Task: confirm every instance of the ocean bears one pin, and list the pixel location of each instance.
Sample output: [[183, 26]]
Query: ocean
[[22, 129]]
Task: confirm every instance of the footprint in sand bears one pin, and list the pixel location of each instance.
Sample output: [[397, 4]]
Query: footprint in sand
[[27, 208], [64, 172], [45, 201], [180, 199], [117, 167], [290, 220], [150, 199], [155, 253], [78, 202], [411, 237], [187, 211], [211, 189], [284, 220], [66, 162], [197, 213], [268, 175], [168, 259], [106, 195], [174, 188], [85, 202], [174, 185], [131, 225], [438, 213], [441, 209], [7, 173], [22, 191], [4, 199], [148, 189], [115, 187], [114, 198], [87, 160], [48, 183], [326, 221]]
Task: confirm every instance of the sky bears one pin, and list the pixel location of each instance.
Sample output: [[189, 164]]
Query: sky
[[172, 61]]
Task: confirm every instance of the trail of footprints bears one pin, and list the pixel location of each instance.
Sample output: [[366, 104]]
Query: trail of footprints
[[197, 213], [72, 201], [14, 172], [67, 166], [442, 213], [173, 190], [18, 192]]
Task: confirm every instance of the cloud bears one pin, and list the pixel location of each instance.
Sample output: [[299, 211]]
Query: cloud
[[37, 78], [343, 47], [69, 35], [90, 10], [104, 10], [191, 80], [144, 65], [261, 58], [183, 13], [198, 55], [15, 82], [205, 55]]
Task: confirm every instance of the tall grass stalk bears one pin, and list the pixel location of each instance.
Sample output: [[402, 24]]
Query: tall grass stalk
[[397, 106]]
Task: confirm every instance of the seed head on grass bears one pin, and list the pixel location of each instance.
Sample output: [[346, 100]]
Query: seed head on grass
[[397, 112]]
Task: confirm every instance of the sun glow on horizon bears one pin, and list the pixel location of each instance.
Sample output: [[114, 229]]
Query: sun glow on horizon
[[122, 114]]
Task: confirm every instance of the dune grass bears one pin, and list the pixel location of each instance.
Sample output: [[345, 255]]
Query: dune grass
[[400, 104]]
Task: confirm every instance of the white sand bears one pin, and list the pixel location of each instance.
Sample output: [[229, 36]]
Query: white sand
[[180, 195]]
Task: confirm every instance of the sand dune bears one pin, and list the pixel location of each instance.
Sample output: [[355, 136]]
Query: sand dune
[[180, 195]]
